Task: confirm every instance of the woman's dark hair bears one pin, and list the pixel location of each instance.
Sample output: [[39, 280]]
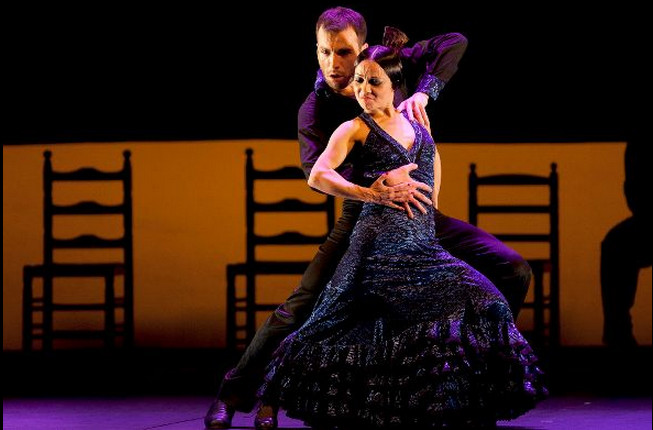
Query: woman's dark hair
[[387, 55]]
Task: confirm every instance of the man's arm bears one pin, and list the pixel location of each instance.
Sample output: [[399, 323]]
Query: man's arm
[[312, 140], [438, 57], [436, 61]]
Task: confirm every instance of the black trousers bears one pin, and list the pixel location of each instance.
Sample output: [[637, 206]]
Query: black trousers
[[502, 265], [624, 251]]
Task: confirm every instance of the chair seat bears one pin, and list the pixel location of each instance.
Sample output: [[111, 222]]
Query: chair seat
[[75, 269], [38, 305], [76, 334], [269, 267], [47, 306], [542, 264], [260, 268]]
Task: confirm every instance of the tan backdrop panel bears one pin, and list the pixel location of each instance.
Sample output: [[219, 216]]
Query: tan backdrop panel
[[189, 223]]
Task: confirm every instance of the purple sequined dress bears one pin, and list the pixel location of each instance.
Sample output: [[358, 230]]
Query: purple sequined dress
[[404, 334]]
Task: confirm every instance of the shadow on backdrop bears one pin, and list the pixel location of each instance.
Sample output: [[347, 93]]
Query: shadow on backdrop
[[626, 249]]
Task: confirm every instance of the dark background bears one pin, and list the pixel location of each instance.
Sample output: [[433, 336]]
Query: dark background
[[532, 71]]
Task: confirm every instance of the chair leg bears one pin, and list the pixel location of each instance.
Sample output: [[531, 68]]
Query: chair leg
[[128, 297], [539, 306], [554, 315], [250, 303], [28, 327], [231, 308], [109, 312], [47, 312]]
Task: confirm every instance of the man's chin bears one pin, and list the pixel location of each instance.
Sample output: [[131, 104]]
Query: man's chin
[[338, 84]]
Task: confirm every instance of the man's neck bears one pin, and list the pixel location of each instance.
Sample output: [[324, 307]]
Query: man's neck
[[348, 91]]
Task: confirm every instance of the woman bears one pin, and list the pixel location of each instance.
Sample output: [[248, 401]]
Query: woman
[[404, 334]]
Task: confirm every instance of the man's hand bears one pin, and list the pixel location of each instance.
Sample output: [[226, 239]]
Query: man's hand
[[415, 108], [401, 188]]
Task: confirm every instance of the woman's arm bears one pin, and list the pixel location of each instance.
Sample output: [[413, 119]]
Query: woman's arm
[[323, 174], [325, 178]]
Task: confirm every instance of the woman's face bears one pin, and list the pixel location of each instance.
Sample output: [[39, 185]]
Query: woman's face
[[372, 87]]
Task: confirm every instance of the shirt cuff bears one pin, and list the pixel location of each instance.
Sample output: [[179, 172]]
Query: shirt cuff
[[430, 85]]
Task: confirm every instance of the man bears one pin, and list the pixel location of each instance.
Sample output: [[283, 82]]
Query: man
[[341, 34]]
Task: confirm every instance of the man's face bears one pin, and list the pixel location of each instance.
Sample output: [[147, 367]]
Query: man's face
[[336, 53], [372, 86]]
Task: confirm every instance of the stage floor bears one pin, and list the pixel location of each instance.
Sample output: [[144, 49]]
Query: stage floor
[[185, 413]]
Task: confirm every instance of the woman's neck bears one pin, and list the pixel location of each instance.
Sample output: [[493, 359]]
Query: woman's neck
[[383, 114]]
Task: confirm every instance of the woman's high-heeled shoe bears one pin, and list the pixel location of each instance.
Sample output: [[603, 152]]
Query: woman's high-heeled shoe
[[266, 418]]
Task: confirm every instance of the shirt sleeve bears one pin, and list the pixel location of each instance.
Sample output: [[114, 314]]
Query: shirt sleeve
[[312, 140], [438, 57]]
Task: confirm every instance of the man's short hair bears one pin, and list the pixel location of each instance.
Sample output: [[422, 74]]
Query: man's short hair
[[339, 18]]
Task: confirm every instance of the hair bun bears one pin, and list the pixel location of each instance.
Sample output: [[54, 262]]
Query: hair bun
[[394, 38]]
